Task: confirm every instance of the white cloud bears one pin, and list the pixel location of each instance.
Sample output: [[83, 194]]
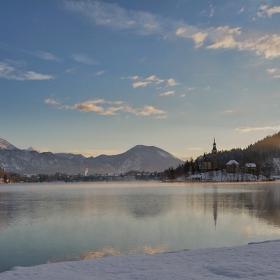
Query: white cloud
[[276, 77], [140, 84], [171, 83], [227, 112], [192, 33], [84, 59], [144, 23], [170, 92], [108, 108], [266, 11], [153, 80], [9, 72], [224, 37], [208, 88], [241, 10], [51, 101], [272, 70], [183, 95], [248, 129], [99, 73]]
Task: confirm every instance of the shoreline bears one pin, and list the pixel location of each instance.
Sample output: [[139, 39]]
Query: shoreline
[[252, 261]]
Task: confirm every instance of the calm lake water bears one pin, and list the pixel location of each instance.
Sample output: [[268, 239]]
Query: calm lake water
[[41, 223]]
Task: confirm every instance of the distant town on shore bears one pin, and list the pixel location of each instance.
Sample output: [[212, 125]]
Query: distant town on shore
[[257, 162]]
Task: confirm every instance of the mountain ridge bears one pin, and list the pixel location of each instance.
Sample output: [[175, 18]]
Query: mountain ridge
[[31, 161]]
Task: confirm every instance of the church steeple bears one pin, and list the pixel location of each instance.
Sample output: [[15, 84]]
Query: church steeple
[[214, 145], [214, 156]]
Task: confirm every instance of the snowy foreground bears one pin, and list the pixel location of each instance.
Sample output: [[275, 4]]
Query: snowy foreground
[[253, 261]]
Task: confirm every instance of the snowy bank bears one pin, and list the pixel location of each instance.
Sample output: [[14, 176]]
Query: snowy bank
[[253, 261]]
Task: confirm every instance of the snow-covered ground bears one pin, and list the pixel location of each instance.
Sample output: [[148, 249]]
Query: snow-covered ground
[[253, 261], [219, 176]]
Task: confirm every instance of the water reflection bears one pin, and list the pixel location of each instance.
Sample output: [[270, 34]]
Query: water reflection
[[49, 223], [109, 252]]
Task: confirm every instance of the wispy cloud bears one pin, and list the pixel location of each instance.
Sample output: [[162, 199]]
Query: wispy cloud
[[190, 88], [272, 70], [153, 80], [70, 70], [84, 59], [171, 83], [108, 108], [264, 10], [227, 112], [170, 92], [9, 72], [115, 17], [140, 84], [44, 55], [212, 10], [225, 37], [51, 101], [99, 73], [248, 128], [144, 23], [241, 10]]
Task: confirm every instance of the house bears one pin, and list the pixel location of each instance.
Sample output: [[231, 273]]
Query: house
[[232, 166], [250, 168]]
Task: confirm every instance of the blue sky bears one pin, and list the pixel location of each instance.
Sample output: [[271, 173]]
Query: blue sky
[[97, 77]]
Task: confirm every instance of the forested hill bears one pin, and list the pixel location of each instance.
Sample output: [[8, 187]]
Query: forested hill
[[262, 152]]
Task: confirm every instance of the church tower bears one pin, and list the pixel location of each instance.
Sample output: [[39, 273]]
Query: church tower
[[214, 156]]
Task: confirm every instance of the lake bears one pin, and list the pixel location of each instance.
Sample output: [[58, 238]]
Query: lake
[[54, 222]]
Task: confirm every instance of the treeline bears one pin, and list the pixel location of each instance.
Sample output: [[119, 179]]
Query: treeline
[[261, 153], [182, 169], [4, 175]]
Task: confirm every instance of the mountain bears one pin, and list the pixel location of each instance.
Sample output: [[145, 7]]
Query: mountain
[[140, 157], [5, 145], [31, 161], [33, 149]]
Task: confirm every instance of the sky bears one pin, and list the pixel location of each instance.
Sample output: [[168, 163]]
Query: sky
[[99, 77]]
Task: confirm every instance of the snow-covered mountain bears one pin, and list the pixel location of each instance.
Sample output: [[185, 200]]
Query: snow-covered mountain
[[5, 145], [31, 161], [33, 149]]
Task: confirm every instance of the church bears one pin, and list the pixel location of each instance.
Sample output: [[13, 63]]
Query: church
[[210, 163]]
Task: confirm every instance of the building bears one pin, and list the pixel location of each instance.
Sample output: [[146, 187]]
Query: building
[[215, 164], [250, 168], [232, 166], [208, 163]]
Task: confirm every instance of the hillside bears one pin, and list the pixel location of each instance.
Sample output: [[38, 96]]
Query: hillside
[[140, 157]]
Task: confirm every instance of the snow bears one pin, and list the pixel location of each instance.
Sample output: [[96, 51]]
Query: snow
[[253, 261], [250, 165], [33, 149], [232, 162], [219, 176]]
